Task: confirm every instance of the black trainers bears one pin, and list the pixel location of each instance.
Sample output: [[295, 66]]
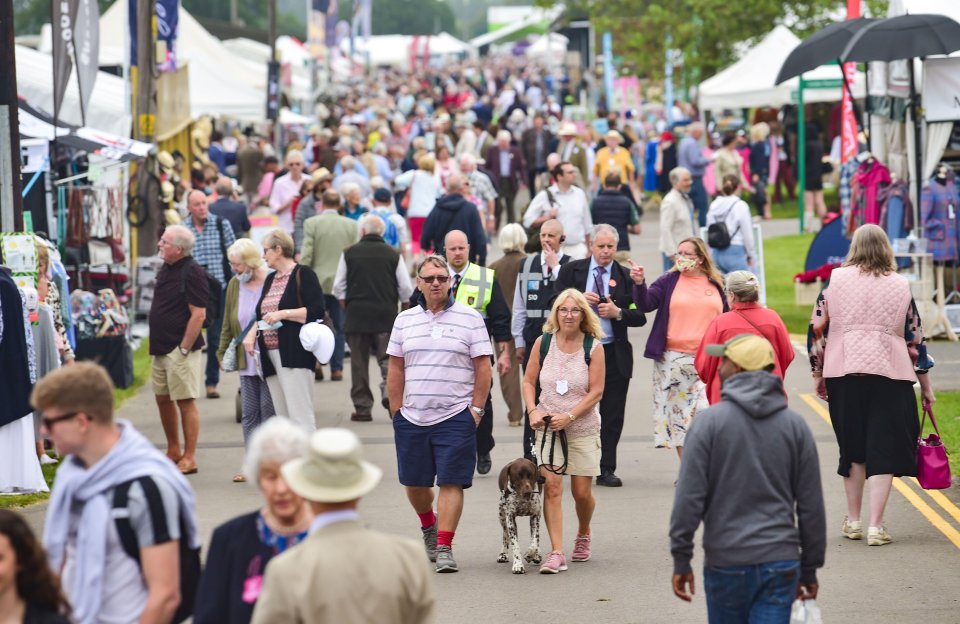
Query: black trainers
[[484, 463], [445, 560], [430, 541], [608, 479]]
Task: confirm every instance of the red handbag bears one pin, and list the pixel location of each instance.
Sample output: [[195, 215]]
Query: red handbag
[[933, 469]]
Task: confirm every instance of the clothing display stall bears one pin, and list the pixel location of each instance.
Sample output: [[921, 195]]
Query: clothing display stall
[[20, 470], [939, 203]]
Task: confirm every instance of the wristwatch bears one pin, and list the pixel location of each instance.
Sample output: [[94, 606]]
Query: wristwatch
[[184, 352], [479, 411], [620, 314]]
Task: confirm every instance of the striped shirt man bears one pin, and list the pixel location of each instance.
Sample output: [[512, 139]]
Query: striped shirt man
[[438, 351]]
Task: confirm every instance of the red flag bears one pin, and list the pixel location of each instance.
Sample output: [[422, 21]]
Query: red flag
[[848, 128]]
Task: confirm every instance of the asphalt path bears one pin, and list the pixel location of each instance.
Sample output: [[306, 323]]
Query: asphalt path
[[914, 579]]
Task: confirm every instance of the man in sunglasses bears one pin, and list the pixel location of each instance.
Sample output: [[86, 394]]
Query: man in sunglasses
[[121, 528], [438, 380]]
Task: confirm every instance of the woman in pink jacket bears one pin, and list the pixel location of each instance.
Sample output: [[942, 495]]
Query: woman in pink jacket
[[867, 349], [746, 316]]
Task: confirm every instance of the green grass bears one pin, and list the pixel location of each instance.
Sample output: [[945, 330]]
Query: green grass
[[141, 374], [790, 208], [783, 258], [947, 411]]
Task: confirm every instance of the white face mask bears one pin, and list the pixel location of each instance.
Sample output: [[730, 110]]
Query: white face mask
[[245, 277], [685, 265]]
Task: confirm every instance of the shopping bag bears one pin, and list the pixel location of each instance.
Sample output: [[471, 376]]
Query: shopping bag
[[933, 469], [805, 612]]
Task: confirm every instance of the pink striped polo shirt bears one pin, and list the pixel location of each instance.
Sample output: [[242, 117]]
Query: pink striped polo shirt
[[438, 351]]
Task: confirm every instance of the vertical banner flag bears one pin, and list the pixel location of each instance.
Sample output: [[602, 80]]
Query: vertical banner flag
[[414, 47], [64, 17], [168, 27], [86, 40], [848, 128], [608, 68], [360, 23], [316, 28], [273, 90]]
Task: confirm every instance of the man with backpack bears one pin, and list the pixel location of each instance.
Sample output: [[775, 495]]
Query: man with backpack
[[121, 531], [395, 233], [567, 204], [213, 235], [180, 300]]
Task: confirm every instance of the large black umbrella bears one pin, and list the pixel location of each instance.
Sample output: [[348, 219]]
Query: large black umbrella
[[903, 37], [821, 48]]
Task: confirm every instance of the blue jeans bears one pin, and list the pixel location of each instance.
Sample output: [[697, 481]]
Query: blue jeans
[[701, 203], [667, 262], [733, 258], [754, 594], [339, 339], [212, 373]]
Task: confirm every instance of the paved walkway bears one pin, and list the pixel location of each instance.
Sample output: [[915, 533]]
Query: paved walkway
[[914, 579]]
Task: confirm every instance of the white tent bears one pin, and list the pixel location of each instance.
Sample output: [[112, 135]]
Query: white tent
[[255, 56], [552, 45], [395, 49], [750, 81], [221, 85], [106, 108]]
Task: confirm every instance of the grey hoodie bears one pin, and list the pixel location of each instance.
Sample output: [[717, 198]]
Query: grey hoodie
[[750, 472]]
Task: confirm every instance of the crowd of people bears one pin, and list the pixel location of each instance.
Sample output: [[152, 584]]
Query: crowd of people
[[384, 218]]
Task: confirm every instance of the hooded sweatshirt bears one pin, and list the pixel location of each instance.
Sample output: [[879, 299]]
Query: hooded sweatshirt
[[454, 212], [749, 468]]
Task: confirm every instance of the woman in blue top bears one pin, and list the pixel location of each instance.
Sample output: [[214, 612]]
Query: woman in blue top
[[241, 548]]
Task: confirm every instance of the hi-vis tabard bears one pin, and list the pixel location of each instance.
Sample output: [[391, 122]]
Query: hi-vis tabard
[[531, 280], [476, 288]]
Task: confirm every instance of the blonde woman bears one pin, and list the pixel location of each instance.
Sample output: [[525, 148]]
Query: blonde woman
[[243, 293], [760, 151], [687, 298], [422, 190], [867, 349], [571, 379]]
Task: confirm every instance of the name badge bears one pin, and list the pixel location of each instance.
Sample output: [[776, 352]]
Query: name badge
[[436, 333], [562, 386], [533, 284]]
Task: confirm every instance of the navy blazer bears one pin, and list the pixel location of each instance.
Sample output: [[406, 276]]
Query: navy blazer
[[518, 169]]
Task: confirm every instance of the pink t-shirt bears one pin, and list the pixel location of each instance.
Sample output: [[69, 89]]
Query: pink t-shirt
[[694, 303], [438, 351]]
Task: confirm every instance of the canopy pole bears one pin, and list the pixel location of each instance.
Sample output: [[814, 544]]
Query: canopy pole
[[801, 151], [918, 148]]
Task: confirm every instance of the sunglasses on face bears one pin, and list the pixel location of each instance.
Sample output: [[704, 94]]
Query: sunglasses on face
[[443, 279], [50, 421]]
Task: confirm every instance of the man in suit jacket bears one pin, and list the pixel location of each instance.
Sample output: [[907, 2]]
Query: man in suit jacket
[[233, 211], [505, 163], [365, 575], [605, 285], [325, 236], [535, 145]]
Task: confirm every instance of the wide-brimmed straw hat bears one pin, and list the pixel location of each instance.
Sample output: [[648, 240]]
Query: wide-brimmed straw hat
[[333, 469]]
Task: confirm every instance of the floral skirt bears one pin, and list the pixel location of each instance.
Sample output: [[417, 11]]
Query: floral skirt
[[678, 394]]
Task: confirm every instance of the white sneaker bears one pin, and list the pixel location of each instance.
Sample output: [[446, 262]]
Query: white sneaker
[[878, 536], [852, 530], [46, 460]]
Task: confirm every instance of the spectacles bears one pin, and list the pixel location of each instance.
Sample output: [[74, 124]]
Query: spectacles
[[266, 249], [50, 421], [569, 312], [443, 279], [687, 255]]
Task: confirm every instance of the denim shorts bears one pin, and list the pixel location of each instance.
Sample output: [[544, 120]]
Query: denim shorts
[[733, 258], [444, 453]]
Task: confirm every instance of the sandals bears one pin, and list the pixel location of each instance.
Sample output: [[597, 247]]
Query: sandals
[[239, 478]]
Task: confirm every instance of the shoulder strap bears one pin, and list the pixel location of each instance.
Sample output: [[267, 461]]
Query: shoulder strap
[[545, 339], [158, 520], [183, 275], [587, 348], [128, 537], [550, 198], [744, 317], [297, 280]]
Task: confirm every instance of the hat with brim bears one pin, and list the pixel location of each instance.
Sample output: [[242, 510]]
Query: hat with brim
[[613, 134], [333, 469], [318, 340], [165, 160], [320, 174], [568, 129], [748, 351]]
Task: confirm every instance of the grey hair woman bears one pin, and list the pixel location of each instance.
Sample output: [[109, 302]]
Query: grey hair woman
[[241, 548]]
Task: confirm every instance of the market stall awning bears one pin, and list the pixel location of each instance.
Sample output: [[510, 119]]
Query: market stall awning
[[750, 81], [35, 124]]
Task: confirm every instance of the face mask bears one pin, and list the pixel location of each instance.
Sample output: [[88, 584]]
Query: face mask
[[685, 264], [245, 277]]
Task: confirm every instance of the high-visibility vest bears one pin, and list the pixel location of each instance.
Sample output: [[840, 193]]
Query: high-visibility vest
[[476, 288]]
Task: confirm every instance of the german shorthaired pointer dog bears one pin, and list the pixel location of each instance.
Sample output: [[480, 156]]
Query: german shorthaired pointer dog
[[519, 496]]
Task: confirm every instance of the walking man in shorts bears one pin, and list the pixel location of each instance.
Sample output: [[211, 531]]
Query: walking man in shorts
[[176, 317], [437, 384]]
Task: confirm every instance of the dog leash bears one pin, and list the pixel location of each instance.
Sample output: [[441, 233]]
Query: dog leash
[[562, 435]]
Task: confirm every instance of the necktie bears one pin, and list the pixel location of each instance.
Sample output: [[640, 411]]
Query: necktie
[[456, 284], [598, 284]]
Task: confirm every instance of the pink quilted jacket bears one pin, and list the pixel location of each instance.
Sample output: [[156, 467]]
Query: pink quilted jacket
[[867, 316]]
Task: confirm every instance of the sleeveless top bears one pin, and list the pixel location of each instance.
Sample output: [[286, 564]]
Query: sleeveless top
[[573, 368]]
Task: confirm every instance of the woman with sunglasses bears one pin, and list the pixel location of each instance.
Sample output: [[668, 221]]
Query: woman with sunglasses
[[291, 296], [571, 384], [688, 297]]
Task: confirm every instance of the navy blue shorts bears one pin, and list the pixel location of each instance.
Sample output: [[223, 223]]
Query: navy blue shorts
[[444, 453]]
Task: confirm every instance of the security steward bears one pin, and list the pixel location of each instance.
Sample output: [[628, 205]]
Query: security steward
[[473, 286], [532, 299]]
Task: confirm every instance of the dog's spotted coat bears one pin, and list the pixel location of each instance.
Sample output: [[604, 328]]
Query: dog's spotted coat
[[519, 496]]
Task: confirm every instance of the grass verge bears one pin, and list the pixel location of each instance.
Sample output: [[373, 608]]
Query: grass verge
[[141, 374], [783, 258], [947, 412]]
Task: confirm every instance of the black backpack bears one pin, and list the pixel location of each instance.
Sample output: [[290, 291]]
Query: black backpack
[[718, 236], [545, 347], [190, 568], [214, 288]]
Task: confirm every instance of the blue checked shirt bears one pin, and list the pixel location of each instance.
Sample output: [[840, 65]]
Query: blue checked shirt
[[207, 251]]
